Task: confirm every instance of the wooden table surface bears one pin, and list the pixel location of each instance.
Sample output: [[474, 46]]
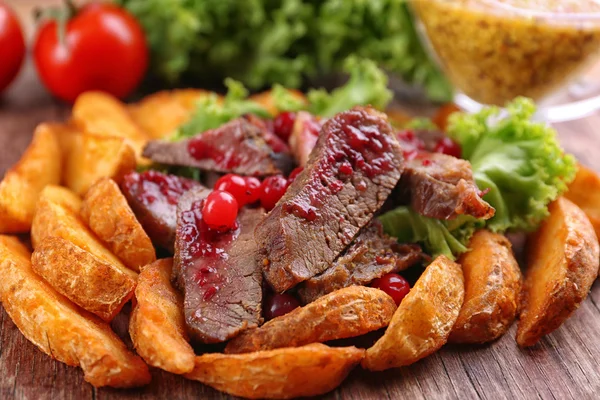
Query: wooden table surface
[[564, 365]]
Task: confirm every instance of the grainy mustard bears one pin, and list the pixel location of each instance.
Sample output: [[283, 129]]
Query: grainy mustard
[[495, 50]]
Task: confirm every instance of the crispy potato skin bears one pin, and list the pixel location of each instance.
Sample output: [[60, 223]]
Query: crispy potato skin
[[492, 288], [101, 114], [305, 371], [107, 213], [348, 312], [159, 114], [265, 99], [55, 219], [60, 329], [39, 166], [93, 157], [87, 281], [584, 191], [563, 259], [424, 319], [63, 196], [157, 325]]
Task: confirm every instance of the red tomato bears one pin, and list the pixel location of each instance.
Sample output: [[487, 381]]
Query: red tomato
[[12, 46], [104, 49]]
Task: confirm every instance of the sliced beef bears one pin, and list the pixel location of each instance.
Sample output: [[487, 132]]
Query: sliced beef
[[153, 197], [371, 255], [217, 272], [351, 172], [442, 187], [243, 146], [304, 136]]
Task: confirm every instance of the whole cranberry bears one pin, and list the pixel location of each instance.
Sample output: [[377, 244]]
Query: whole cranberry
[[283, 125], [448, 146], [394, 285], [278, 304], [220, 211], [271, 190], [294, 174], [252, 189]]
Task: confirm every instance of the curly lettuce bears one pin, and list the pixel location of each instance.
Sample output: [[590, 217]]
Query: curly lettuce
[[367, 84], [518, 159]]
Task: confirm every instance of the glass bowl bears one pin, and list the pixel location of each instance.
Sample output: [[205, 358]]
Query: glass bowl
[[496, 50]]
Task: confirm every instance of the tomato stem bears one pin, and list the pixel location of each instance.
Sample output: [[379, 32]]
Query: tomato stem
[[61, 14]]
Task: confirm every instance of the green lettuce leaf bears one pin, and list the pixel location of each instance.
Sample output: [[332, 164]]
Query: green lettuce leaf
[[519, 160], [285, 101], [210, 113], [437, 237], [367, 85]]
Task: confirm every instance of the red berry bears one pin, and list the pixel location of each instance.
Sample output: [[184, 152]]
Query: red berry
[[234, 185], [295, 173], [271, 190], [252, 189], [220, 210], [394, 285], [283, 124], [277, 305], [448, 146]]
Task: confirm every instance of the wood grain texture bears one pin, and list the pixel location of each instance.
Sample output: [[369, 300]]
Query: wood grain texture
[[564, 365]]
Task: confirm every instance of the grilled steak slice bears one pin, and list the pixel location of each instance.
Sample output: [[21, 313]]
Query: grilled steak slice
[[153, 197], [441, 186], [217, 272], [243, 146], [304, 136], [371, 255], [351, 172]]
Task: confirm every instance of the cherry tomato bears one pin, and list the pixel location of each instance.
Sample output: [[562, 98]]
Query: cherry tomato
[[104, 49], [271, 190], [12, 46], [277, 305], [394, 285], [220, 210]]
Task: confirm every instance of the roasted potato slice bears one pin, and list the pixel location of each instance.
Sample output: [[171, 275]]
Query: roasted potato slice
[[39, 166], [161, 113], [265, 99], [93, 157], [424, 319], [348, 312], [310, 370], [584, 191], [492, 288], [101, 114], [107, 213], [63, 196], [55, 219], [157, 325], [94, 285], [563, 260], [59, 328]]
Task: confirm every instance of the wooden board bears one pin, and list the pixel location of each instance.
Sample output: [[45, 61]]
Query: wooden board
[[564, 365]]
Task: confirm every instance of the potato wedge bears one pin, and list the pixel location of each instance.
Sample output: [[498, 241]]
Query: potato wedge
[[348, 312], [584, 191], [39, 166], [107, 213], [265, 99], [54, 219], [310, 370], [93, 157], [492, 289], [424, 319], [92, 284], [63, 196], [101, 114], [159, 114], [60, 329], [563, 260], [157, 325]]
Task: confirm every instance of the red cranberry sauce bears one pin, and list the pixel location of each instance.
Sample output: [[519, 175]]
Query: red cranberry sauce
[[203, 250], [153, 187], [202, 148], [411, 144], [354, 143]]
